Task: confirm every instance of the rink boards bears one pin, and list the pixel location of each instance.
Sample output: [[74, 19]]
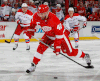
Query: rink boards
[[7, 29]]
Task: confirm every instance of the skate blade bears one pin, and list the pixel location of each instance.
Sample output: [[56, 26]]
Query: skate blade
[[89, 67]]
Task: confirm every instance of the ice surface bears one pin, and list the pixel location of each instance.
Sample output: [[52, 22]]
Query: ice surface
[[13, 64]]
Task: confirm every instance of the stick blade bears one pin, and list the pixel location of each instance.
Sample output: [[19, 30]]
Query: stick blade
[[89, 67], [7, 41]]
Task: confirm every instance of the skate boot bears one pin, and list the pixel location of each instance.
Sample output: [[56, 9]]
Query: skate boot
[[76, 46], [28, 47], [16, 45], [88, 60], [31, 69]]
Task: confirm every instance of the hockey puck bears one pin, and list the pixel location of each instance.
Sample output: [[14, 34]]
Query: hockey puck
[[55, 77]]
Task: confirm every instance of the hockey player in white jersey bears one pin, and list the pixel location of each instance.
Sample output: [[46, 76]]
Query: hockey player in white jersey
[[23, 18], [59, 12], [72, 24]]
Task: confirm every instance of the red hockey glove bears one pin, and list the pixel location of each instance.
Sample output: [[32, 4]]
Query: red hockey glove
[[84, 25], [57, 50], [18, 21]]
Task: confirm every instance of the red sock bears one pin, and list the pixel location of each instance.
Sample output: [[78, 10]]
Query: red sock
[[36, 60], [83, 54]]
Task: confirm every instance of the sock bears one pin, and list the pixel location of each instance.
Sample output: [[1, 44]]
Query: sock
[[36, 60]]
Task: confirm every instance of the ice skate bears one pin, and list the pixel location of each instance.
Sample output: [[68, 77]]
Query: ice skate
[[16, 45], [88, 60], [76, 46], [32, 68], [28, 47]]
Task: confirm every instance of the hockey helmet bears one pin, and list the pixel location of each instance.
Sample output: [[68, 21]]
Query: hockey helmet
[[24, 5], [58, 5], [43, 8], [45, 3], [71, 9]]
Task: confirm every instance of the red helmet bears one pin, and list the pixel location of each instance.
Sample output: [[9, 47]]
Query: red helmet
[[43, 8]]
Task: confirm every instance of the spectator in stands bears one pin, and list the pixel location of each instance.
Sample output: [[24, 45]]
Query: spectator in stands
[[37, 3], [53, 8], [71, 3], [81, 10], [5, 11], [99, 5], [32, 6], [93, 17], [12, 16], [19, 4], [96, 4], [16, 7], [98, 15], [88, 11], [59, 13]]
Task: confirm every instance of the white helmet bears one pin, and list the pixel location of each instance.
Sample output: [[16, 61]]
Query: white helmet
[[58, 5], [24, 5], [45, 3], [71, 9], [13, 10], [31, 1]]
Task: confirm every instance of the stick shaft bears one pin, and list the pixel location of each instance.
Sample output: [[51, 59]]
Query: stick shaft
[[62, 53]]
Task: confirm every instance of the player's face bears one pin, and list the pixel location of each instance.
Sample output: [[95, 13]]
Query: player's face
[[58, 7], [43, 15], [71, 13], [5, 2], [24, 9]]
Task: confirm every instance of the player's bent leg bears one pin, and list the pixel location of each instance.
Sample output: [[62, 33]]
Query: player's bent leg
[[27, 40], [37, 57], [70, 51], [16, 36], [40, 50], [76, 39]]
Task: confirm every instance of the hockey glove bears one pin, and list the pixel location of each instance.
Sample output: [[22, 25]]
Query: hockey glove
[[18, 21], [84, 25], [71, 30]]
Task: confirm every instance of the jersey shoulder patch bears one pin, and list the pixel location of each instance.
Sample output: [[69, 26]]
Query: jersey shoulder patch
[[2, 5], [76, 14], [29, 12], [20, 10], [67, 16]]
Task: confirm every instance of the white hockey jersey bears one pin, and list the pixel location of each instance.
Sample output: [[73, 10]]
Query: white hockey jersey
[[25, 18], [5, 11], [59, 14], [74, 21]]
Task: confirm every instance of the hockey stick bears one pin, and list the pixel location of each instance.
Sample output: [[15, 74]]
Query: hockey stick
[[11, 37], [66, 56]]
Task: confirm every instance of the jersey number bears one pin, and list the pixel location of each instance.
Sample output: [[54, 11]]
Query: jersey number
[[59, 26]]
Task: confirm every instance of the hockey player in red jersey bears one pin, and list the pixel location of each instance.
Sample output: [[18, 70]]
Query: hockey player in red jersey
[[54, 33], [23, 18]]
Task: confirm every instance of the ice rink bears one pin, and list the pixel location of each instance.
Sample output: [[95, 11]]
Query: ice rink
[[13, 64]]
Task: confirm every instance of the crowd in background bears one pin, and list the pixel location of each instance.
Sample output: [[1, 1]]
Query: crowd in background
[[88, 8]]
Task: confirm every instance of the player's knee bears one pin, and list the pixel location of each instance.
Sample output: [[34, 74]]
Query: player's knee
[[16, 36]]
